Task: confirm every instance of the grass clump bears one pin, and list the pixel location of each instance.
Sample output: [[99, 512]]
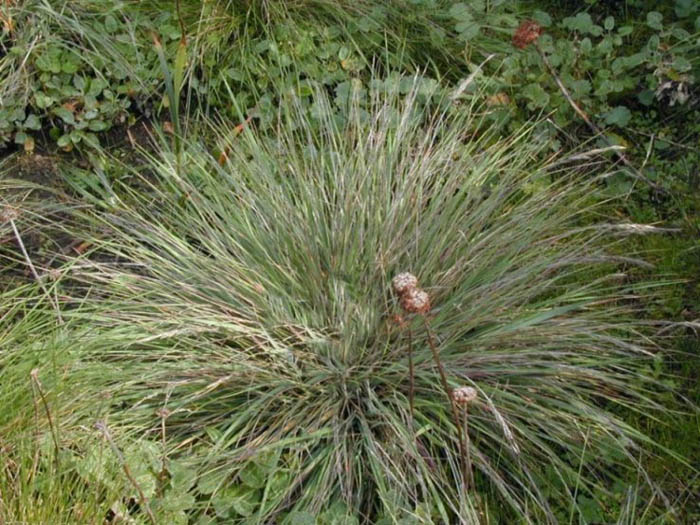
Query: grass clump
[[244, 332]]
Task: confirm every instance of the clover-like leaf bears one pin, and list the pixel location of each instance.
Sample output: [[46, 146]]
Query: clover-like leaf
[[618, 116]]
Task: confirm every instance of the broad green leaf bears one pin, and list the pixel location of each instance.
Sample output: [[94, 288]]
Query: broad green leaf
[[682, 64], [211, 481], [32, 122], [69, 66], [176, 501], [97, 84], [246, 501], [618, 116], [536, 94], [467, 30], [646, 97], [268, 461], [253, 476], [654, 20], [339, 514], [65, 115], [63, 141], [242, 500], [42, 100], [18, 115], [97, 125], [278, 484], [586, 45], [49, 61], [79, 82], [625, 30], [173, 517], [111, 24], [182, 476], [461, 11], [654, 43], [90, 139], [99, 464], [542, 18], [582, 22], [580, 87]]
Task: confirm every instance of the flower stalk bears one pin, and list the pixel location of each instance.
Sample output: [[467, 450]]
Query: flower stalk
[[417, 301]]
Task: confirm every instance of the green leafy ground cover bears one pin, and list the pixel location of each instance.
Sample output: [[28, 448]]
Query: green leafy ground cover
[[309, 119]]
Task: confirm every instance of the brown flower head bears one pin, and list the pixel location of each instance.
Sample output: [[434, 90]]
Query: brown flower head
[[403, 282], [464, 395], [415, 301], [528, 31]]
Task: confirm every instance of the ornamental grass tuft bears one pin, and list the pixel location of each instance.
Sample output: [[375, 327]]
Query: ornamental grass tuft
[[242, 319]]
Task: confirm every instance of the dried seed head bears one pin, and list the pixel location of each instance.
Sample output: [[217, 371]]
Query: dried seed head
[[415, 301], [464, 395], [403, 282], [9, 213], [528, 31]]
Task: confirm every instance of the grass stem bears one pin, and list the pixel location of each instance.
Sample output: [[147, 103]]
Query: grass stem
[[34, 374], [448, 391], [104, 429], [33, 270], [411, 379]]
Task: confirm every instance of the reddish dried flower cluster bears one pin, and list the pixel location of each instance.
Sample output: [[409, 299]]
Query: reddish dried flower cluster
[[464, 395], [413, 299], [528, 31], [404, 282]]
